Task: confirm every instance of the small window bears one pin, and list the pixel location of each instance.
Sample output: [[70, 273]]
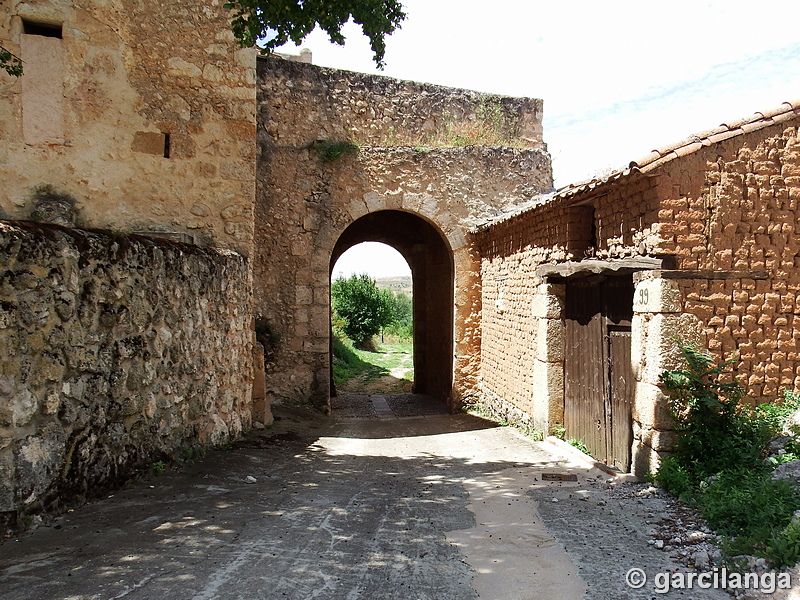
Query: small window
[[52, 30]]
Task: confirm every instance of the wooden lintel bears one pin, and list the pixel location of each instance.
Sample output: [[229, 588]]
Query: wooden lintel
[[619, 266], [709, 274]]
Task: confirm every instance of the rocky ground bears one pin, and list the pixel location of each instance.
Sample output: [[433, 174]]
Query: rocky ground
[[672, 528]]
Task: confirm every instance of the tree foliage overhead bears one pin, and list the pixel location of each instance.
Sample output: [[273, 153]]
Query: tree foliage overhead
[[10, 63], [363, 307], [293, 20]]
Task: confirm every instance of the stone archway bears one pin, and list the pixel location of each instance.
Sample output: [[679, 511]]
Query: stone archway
[[431, 261]]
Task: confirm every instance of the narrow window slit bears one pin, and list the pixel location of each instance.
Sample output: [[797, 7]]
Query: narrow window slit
[[53, 30], [166, 145]]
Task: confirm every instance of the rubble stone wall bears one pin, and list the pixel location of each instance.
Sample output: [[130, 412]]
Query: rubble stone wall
[[145, 117], [304, 103], [117, 351]]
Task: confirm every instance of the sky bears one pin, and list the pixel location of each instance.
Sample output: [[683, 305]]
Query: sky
[[618, 78], [373, 258]]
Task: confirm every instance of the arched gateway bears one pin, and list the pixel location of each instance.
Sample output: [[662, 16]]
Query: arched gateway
[[431, 261], [346, 158]]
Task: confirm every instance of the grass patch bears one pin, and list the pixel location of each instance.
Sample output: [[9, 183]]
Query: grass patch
[[353, 363]]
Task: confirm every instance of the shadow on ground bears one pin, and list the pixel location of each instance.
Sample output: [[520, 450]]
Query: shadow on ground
[[319, 519]]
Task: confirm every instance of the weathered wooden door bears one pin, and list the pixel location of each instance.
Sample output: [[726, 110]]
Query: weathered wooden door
[[598, 378]]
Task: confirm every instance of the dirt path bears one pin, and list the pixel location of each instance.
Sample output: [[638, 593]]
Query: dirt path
[[399, 379], [394, 508]]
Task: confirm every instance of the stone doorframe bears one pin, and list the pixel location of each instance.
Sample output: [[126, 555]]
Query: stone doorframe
[[658, 320]]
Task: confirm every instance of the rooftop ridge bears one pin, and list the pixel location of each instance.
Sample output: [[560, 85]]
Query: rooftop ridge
[[694, 142]]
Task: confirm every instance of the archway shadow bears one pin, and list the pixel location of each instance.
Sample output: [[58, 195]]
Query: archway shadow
[[398, 415]]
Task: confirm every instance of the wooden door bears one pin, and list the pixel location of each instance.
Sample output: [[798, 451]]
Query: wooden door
[[585, 379], [598, 382], [622, 390]]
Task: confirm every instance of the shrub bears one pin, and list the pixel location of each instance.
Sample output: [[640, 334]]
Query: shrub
[[719, 463], [742, 503], [330, 150], [714, 430], [361, 306]]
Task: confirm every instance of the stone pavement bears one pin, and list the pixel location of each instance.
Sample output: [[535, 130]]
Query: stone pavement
[[429, 507]]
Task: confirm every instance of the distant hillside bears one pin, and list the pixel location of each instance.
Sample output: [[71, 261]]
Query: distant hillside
[[395, 284]]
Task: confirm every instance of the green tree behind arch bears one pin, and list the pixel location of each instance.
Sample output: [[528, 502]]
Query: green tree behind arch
[[362, 307]]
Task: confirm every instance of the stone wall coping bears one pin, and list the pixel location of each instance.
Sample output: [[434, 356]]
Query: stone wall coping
[[423, 87]]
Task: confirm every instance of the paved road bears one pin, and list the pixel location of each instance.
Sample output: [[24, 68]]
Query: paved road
[[426, 507]]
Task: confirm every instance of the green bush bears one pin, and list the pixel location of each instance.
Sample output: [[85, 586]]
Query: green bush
[[783, 547], [330, 150], [743, 503], [362, 308], [720, 462], [675, 479]]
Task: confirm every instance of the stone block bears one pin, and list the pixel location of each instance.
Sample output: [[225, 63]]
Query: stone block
[[658, 440], [374, 201], [547, 305], [645, 460], [304, 295], [663, 335], [657, 296], [183, 146], [43, 89], [23, 407], [149, 142], [651, 407], [37, 463], [178, 67], [550, 340], [548, 394]]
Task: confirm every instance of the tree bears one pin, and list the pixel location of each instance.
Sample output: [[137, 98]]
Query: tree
[[293, 20], [402, 308], [10, 63], [362, 306], [402, 323]]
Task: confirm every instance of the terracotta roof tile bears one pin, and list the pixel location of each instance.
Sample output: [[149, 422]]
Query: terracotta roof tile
[[785, 116], [688, 149], [778, 110], [644, 160], [655, 158], [693, 143], [736, 123], [726, 135]]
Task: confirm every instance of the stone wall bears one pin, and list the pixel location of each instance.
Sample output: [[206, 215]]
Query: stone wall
[[301, 103], [145, 117], [305, 202], [116, 351]]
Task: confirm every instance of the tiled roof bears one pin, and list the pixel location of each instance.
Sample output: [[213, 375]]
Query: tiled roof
[[658, 157], [665, 154]]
